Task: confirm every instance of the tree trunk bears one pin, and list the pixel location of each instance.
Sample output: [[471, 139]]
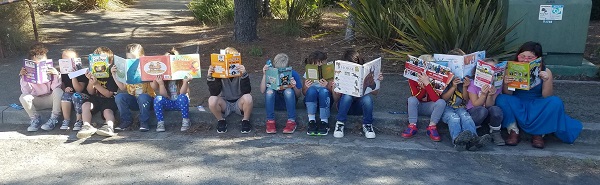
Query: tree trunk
[[266, 9], [350, 25], [245, 20]]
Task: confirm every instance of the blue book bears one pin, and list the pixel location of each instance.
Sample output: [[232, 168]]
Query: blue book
[[128, 70]]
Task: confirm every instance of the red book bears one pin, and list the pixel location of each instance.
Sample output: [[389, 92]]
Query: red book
[[153, 66]]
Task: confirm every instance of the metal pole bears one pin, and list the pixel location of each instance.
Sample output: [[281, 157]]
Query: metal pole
[[35, 32]]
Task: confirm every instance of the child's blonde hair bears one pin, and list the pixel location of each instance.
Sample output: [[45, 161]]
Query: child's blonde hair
[[38, 51], [280, 60], [106, 51], [135, 49], [231, 50], [69, 50], [490, 60], [316, 56], [173, 51]]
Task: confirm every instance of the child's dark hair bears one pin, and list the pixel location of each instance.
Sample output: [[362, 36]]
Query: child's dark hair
[[456, 51], [535, 48], [37, 51], [315, 57], [173, 51], [352, 55]]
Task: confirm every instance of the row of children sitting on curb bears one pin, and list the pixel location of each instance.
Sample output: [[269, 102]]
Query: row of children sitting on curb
[[534, 111]]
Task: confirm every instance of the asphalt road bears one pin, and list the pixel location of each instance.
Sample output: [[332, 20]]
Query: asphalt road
[[208, 158]]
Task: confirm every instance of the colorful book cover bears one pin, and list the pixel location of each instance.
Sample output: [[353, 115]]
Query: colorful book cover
[[128, 70], [278, 78], [525, 74], [492, 75], [225, 65], [152, 66], [357, 80], [69, 65], [439, 75], [37, 71], [99, 64], [316, 72], [182, 65], [461, 66]]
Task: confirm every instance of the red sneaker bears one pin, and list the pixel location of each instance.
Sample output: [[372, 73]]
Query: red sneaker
[[410, 131], [271, 129], [433, 133], [290, 127]]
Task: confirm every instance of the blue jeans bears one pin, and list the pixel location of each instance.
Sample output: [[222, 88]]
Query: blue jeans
[[458, 120], [349, 105], [127, 102], [161, 103], [320, 95], [280, 100]]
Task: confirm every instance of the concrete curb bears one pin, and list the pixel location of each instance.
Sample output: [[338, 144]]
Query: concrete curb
[[384, 123]]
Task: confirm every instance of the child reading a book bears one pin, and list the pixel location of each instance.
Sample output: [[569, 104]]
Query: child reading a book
[[41, 96], [138, 97], [281, 99], [317, 94], [172, 96], [535, 111], [350, 105], [230, 95], [73, 94], [481, 107], [424, 101], [102, 92]]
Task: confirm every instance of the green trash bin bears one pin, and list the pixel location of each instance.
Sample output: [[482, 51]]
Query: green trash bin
[[561, 26]]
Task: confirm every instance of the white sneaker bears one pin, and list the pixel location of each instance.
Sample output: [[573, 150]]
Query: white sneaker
[[50, 124], [160, 126], [339, 130], [185, 124], [86, 131], [77, 126], [65, 125], [368, 130], [34, 124], [106, 130]]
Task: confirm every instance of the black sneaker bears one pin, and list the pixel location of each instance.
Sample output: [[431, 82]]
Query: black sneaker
[[463, 138], [246, 127], [312, 128], [221, 126], [323, 129], [479, 142]]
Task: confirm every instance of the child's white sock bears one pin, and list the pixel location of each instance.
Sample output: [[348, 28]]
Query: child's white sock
[[311, 117]]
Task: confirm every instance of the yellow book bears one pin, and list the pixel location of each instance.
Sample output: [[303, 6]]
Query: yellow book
[[225, 65]]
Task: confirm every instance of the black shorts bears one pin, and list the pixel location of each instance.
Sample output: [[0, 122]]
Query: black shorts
[[100, 104]]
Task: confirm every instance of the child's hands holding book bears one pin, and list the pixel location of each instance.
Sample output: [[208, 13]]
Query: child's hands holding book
[[242, 69], [380, 78], [265, 68], [545, 75], [23, 72], [485, 90], [159, 80], [113, 69], [187, 78], [52, 71], [466, 82], [308, 83], [69, 89], [211, 70], [323, 82], [423, 79]]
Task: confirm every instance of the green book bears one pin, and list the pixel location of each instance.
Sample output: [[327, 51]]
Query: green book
[[316, 72]]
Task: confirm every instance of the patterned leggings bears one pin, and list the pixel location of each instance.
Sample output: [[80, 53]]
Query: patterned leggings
[[76, 99], [182, 104]]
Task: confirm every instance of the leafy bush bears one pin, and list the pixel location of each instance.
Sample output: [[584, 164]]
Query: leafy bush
[[296, 13], [373, 19], [212, 11], [445, 25], [16, 32]]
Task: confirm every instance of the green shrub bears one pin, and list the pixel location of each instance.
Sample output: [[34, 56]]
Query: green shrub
[[445, 25], [16, 32], [373, 18], [212, 11], [296, 13]]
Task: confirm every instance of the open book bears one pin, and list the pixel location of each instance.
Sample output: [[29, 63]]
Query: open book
[[37, 71], [357, 80], [279, 78], [128, 70], [439, 75], [316, 72], [99, 65], [225, 65], [171, 67], [525, 74], [69, 65], [461, 66], [492, 75]]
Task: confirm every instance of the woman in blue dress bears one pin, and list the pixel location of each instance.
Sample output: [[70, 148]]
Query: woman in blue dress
[[535, 111]]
